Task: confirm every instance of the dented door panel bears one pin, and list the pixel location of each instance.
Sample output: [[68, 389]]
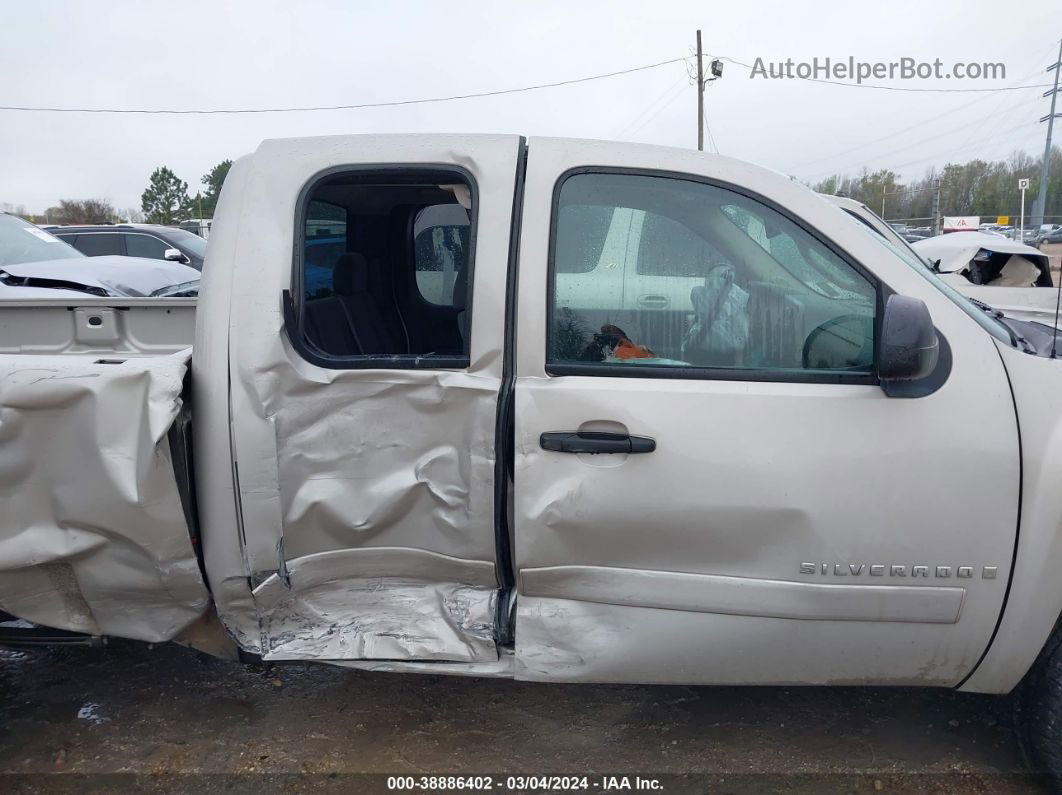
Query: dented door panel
[[366, 495]]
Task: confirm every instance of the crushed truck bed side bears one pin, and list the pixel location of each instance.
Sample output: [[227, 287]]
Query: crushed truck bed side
[[93, 534]]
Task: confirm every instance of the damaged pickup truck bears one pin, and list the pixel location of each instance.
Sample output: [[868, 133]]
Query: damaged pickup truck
[[551, 410]]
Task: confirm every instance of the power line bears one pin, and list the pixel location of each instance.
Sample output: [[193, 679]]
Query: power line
[[648, 113], [897, 133], [992, 134], [708, 128], [480, 94], [991, 137], [358, 106], [675, 93]]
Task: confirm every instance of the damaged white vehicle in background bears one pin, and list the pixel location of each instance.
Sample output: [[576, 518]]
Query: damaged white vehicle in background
[[988, 268], [1012, 277]]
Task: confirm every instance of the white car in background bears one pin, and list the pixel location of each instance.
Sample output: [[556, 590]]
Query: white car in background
[[988, 268], [36, 264]]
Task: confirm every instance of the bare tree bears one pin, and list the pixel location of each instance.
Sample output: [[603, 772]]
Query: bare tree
[[81, 211], [14, 209]]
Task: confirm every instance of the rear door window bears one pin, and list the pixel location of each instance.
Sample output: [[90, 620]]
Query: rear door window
[[145, 246]]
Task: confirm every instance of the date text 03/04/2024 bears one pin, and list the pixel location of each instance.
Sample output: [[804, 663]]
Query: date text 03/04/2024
[[522, 783]]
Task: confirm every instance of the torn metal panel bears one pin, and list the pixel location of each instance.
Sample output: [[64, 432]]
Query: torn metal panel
[[394, 467], [343, 606], [352, 460], [502, 668], [93, 536], [981, 256]]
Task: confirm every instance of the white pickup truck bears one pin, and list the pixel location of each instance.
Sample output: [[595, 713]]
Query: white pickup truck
[[551, 410]]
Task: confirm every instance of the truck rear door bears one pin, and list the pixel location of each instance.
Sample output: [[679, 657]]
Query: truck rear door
[[366, 325], [712, 486]]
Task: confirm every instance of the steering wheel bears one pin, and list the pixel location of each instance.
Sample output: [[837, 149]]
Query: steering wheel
[[841, 343]]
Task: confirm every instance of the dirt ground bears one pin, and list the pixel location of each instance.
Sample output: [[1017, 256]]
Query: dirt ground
[[167, 718]]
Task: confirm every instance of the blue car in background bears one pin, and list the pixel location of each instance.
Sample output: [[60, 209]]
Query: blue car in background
[[320, 255]]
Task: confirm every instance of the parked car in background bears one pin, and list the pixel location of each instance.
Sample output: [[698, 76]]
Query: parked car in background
[[197, 226], [36, 264], [150, 241], [1051, 233]]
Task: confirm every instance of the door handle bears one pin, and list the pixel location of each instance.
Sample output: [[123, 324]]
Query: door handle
[[595, 442], [654, 301]]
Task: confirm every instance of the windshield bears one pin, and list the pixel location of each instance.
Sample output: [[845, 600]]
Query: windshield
[[798, 256], [21, 241], [188, 240]]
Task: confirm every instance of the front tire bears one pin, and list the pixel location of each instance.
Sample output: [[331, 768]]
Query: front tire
[[1041, 712]]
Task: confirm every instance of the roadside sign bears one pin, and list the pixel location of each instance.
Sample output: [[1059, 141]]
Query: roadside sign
[[1023, 184], [960, 223], [1003, 220]]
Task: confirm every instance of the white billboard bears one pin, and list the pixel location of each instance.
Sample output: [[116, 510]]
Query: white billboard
[[961, 223]]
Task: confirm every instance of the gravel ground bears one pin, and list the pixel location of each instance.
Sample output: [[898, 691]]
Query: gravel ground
[[167, 718]]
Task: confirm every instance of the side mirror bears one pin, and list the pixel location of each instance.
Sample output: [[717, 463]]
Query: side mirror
[[909, 346], [174, 255]]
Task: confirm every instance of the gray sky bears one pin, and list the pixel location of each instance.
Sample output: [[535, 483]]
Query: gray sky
[[316, 52]]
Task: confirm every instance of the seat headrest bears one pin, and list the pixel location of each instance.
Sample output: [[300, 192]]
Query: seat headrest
[[459, 300], [351, 274]]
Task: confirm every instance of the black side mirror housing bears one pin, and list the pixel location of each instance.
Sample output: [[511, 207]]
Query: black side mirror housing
[[909, 347]]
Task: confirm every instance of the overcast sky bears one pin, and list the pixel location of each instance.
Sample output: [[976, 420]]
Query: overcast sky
[[265, 54]]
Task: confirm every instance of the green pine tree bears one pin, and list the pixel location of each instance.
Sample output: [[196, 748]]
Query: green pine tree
[[166, 199], [213, 180]]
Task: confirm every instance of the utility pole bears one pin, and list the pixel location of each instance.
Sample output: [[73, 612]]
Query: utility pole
[[936, 211], [700, 94], [1023, 185], [1045, 167]]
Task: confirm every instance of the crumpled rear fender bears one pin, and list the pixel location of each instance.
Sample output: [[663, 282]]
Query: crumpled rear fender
[[93, 534]]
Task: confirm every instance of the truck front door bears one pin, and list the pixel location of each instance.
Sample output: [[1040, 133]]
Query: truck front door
[[719, 490]]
